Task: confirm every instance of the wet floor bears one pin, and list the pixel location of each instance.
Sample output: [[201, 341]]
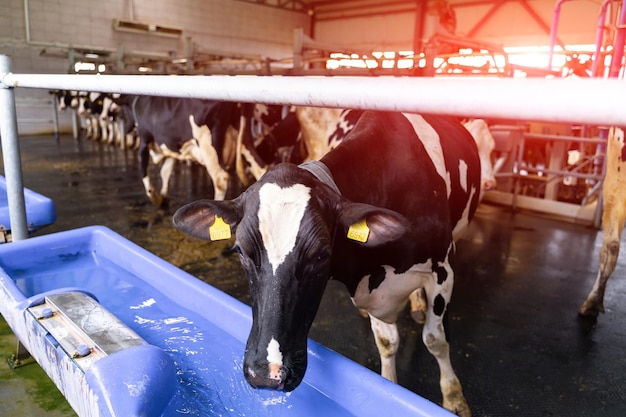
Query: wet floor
[[516, 342]]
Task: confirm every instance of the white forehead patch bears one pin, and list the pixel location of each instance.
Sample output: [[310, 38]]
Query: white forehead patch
[[280, 213], [274, 355]]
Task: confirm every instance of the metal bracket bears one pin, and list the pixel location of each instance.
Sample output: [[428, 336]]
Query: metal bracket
[[21, 357]]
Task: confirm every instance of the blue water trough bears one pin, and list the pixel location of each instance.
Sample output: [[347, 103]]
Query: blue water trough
[[40, 209], [121, 332]]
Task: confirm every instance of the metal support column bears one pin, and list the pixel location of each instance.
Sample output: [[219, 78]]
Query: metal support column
[[618, 45], [55, 117], [11, 155]]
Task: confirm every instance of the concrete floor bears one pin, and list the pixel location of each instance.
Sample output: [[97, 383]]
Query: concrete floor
[[516, 342]]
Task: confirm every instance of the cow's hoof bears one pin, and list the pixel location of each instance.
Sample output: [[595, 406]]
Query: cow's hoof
[[418, 316], [462, 410], [458, 406], [590, 312], [165, 203], [591, 309]]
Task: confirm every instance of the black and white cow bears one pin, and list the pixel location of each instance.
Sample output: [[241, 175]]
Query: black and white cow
[[66, 99], [171, 129], [275, 132], [376, 213], [89, 109]]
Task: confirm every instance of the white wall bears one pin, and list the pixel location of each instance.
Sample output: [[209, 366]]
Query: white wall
[[220, 25]]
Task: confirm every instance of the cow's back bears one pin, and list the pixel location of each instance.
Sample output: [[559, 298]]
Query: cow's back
[[166, 119], [393, 152]]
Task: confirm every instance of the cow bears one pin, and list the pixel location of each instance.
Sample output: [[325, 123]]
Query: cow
[[66, 99], [274, 133], [613, 216], [89, 108], [324, 128], [376, 213], [174, 129]]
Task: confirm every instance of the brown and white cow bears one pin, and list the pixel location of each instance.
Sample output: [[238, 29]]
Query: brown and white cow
[[613, 216], [376, 213]]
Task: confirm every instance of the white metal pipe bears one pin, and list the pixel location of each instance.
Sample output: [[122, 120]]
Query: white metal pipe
[[11, 158], [572, 100]]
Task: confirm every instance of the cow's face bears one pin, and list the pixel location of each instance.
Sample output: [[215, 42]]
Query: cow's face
[[285, 226]]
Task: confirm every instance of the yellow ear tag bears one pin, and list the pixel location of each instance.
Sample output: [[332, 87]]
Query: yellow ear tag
[[220, 230], [359, 231]]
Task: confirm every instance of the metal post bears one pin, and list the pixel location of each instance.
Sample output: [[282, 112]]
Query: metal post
[[75, 127], [554, 30], [598, 57], [55, 116], [11, 155], [618, 46]]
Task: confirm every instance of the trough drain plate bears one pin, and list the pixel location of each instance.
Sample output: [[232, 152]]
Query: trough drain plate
[[84, 329]]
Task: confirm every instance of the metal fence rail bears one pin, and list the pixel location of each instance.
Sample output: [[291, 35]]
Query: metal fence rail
[[585, 101], [573, 100]]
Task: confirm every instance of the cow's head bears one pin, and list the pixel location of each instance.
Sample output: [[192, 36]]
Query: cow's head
[[286, 226]]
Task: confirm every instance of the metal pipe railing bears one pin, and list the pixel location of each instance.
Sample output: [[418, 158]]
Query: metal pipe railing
[[598, 57], [556, 14], [618, 46], [583, 101]]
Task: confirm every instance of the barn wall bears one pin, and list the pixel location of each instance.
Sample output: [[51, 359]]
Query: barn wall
[[510, 25], [385, 32], [219, 25], [513, 25]]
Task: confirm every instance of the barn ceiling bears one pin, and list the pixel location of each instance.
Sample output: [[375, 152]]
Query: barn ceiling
[[509, 22], [351, 8], [343, 9]]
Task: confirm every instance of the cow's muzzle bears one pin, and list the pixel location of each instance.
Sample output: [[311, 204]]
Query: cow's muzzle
[[274, 378]]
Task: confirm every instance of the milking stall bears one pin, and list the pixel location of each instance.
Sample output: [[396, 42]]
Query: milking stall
[[165, 247]]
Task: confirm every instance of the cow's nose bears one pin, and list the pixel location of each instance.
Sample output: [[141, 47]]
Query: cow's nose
[[274, 379], [489, 185]]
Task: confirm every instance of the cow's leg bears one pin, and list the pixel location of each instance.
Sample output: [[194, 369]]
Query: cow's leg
[[387, 342], [418, 305], [111, 132], [166, 173], [144, 159], [95, 128], [206, 154], [613, 215], [88, 127], [594, 304], [104, 128], [438, 293]]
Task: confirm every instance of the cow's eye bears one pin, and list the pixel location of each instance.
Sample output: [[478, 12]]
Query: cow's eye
[[322, 255], [242, 256]]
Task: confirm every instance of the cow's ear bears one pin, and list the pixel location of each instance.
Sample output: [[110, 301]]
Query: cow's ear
[[371, 226], [207, 219]]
